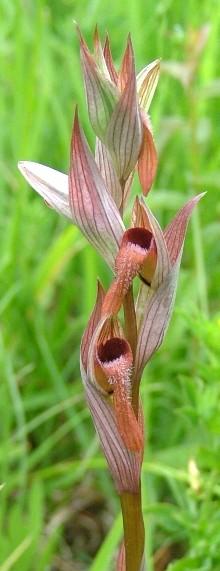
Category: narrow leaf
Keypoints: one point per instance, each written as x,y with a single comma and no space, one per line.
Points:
16,554
52,185
93,209
147,81
108,547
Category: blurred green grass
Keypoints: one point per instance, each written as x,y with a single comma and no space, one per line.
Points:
50,464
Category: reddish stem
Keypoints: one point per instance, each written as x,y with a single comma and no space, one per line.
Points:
134,534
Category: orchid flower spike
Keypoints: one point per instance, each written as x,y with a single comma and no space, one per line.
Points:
116,347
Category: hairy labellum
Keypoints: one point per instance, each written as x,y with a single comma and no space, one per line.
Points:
132,259
113,372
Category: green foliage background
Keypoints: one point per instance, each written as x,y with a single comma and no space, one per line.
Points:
57,502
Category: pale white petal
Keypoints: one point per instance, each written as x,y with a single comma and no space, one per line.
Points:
51,184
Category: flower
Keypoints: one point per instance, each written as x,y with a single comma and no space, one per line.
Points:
123,463
136,255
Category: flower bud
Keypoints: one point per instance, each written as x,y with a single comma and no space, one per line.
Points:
102,95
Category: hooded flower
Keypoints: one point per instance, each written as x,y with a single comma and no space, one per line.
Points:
137,255
109,396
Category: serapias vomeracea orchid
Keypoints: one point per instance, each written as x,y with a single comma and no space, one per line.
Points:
94,194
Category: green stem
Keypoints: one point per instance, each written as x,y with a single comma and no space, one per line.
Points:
134,534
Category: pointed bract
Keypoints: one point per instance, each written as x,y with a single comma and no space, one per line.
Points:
109,61
91,326
159,301
124,135
147,81
155,319
99,55
52,185
107,170
93,209
127,63
175,232
97,44
163,261
101,93
147,162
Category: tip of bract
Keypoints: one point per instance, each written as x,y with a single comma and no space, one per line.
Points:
79,33
76,125
76,117
83,45
96,37
128,63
